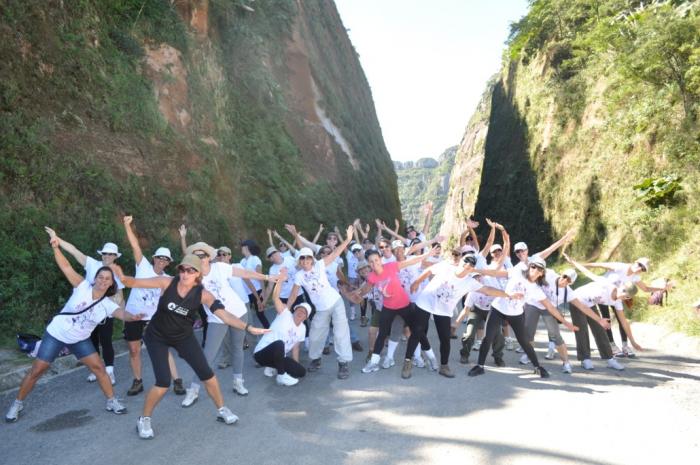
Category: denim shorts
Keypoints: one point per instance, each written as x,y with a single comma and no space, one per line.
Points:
50,348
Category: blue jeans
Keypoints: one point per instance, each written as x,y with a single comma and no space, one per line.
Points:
50,348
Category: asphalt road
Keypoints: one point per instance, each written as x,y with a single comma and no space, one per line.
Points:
648,414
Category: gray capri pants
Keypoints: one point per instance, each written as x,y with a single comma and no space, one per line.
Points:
532,318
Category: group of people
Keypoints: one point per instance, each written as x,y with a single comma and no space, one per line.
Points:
396,284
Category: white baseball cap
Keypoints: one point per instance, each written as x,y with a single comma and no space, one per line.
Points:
305,306
538,262
396,244
571,274
644,262
163,252
355,247
520,246
305,252
110,247
468,249
495,247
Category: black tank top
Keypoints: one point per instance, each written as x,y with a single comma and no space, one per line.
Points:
175,315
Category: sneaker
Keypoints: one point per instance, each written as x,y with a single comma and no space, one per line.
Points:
12,414
270,372
91,378
343,370
615,365
286,380
357,347
418,362
406,371
499,362
463,358
326,350
566,368
627,350
315,364
113,405
524,359
519,350
616,350
477,345
550,353
191,396
223,365
226,415
238,387
432,363
542,372
510,343
446,372
476,371
388,363
371,367
178,388
587,364
363,321
143,426
136,387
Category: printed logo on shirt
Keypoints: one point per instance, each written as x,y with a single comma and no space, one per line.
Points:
445,293
173,307
313,283
86,320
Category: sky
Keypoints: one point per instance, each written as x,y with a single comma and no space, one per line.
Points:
427,63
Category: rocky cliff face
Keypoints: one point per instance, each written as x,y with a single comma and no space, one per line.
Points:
194,111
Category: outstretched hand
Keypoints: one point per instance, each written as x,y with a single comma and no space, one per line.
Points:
571,326
472,224
183,230
291,228
50,232
349,232
54,242
257,331
117,270
128,220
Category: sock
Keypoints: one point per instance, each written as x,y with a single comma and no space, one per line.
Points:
110,369
238,376
416,353
375,358
551,345
391,349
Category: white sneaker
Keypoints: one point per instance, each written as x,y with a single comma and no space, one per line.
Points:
477,345
370,367
388,363
510,343
524,359
113,405
191,396
587,364
616,350
270,372
13,412
519,350
615,365
91,378
286,380
238,387
143,426
226,415
566,368
627,350
550,351
432,363
418,362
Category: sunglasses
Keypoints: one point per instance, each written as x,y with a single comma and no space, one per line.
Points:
114,255
497,252
520,251
202,255
187,270
165,259
640,265
535,267
222,254
382,247
306,257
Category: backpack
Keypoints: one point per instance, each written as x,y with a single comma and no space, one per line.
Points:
27,342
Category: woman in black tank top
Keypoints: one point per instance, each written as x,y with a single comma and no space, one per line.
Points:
171,326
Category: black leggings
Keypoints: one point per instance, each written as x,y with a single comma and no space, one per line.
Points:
605,312
188,348
273,356
102,336
205,323
260,313
386,317
517,324
443,324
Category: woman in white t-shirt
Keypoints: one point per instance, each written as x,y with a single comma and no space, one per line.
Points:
287,331
101,337
88,307
528,284
251,261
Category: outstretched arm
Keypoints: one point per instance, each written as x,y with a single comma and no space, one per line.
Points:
416,247
284,241
68,247
628,328
279,305
331,257
417,259
592,276
605,324
158,282
394,234
556,314
318,233
300,239
489,241
183,240
549,250
133,241
228,318
73,277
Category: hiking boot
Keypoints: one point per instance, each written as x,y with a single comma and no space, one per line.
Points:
446,372
113,405
178,388
226,415
12,414
406,371
315,364
476,371
357,347
343,370
499,362
542,372
143,426
136,387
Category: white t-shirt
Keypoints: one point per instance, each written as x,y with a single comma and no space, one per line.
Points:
238,285
352,265
91,267
445,290
598,292
216,282
291,267
76,328
142,300
252,263
518,283
315,282
477,299
555,294
407,276
388,260
283,329
618,275
332,274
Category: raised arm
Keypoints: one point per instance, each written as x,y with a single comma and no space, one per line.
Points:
471,224
183,238
489,241
506,241
73,277
358,228
133,241
279,305
284,241
592,276
158,282
269,237
552,248
68,247
318,233
300,239
391,233
331,257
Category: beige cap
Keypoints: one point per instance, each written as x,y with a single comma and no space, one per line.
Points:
203,246
191,260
